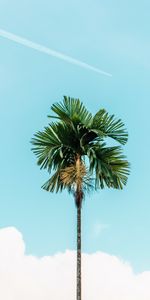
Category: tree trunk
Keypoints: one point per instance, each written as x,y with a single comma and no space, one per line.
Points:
78,295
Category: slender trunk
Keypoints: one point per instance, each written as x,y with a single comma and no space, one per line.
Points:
78,200
78,295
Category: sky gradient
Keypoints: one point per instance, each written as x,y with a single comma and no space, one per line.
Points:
112,37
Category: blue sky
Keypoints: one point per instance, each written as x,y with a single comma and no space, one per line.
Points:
115,38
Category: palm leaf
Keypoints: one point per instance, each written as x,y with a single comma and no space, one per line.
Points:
110,166
106,125
54,183
72,111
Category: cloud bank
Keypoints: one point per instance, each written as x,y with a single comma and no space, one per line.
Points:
27,277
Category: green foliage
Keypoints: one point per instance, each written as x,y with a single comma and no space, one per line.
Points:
108,126
72,111
74,135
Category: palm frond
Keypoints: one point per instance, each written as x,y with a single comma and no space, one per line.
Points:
72,111
109,165
54,183
54,146
106,125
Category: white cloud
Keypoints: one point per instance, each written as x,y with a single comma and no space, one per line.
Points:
53,277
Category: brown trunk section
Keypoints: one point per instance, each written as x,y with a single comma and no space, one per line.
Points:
78,295
78,201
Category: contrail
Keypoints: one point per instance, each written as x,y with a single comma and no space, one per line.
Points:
27,43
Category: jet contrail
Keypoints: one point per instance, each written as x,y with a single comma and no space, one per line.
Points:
27,43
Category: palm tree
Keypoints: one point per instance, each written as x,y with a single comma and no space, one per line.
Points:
73,150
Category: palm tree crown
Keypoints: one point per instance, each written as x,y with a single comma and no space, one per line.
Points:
73,149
